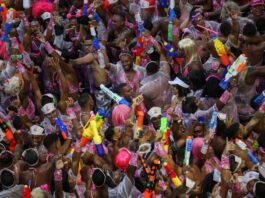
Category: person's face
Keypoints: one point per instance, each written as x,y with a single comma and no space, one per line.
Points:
199,21
88,47
257,10
126,62
35,27
117,22
198,131
73,24
117,134
156,122
127,92
36,140
52,116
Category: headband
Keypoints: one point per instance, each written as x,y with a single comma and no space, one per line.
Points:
194,17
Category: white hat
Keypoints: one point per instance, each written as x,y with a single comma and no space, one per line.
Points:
36,130
179,82
48,108
261,169
112,1
251,175
45,16
154,112
147,4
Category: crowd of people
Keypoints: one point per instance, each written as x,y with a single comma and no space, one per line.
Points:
132,98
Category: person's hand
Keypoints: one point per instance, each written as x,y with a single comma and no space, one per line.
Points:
138,100
232,83
229,147
59,164
55,63
41,37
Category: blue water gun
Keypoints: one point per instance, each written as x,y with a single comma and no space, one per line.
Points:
85,8
163,3
96,44
170,51
213,122
62,128
188,150
258,101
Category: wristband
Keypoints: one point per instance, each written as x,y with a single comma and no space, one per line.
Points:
58,175
225,97
48,47
71,112
225,164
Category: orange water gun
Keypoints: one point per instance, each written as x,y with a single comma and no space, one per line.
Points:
7,135
221,51
173,176
139,124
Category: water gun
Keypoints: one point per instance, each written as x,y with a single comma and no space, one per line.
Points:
85,8
213,122
221,51
7,135
150,184
26,192
114,96
188,150
8,20
165,131
163,3
173,176
140,23
250,155
139,49
170,51
139,125
3,11
258,101
62,128
88,131
237,67
97,138
172,15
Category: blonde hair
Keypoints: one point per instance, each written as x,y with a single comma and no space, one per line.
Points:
189,47
227,7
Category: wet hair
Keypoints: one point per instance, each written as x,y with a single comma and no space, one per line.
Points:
152,68
109,133
220,127
197,79
189,105
17,122
250,29
260,190
212,88
231,131
31,157
119,88
148,25
83,99
6,159
233,163
154,56
46,99
261,140
225,28
260,23
7,178
50,139
208,184
98,177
